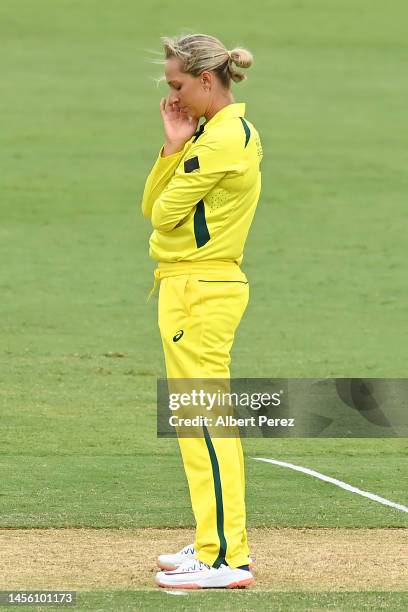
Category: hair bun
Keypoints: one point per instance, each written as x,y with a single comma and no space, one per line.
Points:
241,57
199,52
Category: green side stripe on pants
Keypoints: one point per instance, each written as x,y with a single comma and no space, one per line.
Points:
218,499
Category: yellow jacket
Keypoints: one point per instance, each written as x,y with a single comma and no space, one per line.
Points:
202,200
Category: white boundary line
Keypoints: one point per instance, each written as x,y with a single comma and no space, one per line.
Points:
339,483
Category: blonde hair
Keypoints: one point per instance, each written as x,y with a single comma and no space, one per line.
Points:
199,52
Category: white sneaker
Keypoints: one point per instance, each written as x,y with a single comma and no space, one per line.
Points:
172,562
193,574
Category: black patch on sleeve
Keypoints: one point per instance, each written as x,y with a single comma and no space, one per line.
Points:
191,164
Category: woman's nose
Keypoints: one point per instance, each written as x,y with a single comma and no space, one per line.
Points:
173,98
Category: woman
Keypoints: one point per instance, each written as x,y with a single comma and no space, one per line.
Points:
201,197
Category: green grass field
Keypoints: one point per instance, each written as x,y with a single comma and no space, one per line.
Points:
254,602
80,349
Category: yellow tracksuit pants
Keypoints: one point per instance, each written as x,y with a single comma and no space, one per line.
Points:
205,301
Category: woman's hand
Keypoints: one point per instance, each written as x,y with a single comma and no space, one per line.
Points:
178,127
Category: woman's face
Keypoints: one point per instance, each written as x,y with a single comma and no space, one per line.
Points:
190,94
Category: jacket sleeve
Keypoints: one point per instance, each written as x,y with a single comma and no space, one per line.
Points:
159,177
206,164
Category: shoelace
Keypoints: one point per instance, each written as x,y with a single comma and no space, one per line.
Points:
194,566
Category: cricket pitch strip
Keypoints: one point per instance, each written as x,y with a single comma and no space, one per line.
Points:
285,559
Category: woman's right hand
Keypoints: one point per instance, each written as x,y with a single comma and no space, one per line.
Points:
178,127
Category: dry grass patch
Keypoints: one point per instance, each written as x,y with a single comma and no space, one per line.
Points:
286,559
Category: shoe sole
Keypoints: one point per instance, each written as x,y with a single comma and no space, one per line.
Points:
241,584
